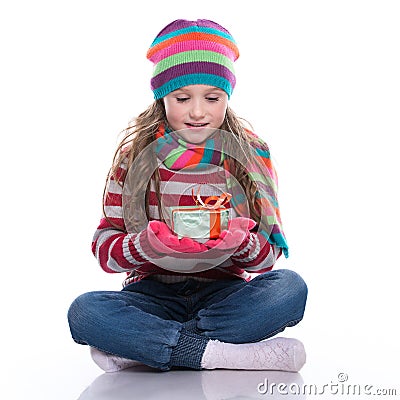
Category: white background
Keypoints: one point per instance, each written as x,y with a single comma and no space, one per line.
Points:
319,80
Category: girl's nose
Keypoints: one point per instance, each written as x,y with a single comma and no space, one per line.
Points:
197,110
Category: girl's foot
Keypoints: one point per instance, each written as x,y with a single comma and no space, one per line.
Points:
111,363
282,354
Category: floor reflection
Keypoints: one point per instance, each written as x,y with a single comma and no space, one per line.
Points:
145,383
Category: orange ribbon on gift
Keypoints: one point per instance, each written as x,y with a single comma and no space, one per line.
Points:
219,200
215,216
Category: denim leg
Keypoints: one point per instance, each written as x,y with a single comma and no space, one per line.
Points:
254,310
169,325
140,323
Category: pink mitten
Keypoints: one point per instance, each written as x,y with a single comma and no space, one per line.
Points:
163,240
238,232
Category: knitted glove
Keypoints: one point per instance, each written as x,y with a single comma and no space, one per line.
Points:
236,237
163,240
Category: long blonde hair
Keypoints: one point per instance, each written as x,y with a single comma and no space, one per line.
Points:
141,132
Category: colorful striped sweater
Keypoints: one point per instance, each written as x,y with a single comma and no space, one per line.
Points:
118,251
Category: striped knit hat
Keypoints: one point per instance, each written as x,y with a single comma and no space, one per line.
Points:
192,53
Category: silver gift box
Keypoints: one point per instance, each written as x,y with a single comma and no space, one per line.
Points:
198,223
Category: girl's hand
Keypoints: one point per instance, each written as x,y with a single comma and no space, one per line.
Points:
238,233
163,240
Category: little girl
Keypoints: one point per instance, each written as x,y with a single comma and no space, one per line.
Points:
200,304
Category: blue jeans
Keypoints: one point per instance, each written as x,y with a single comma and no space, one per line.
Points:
169,325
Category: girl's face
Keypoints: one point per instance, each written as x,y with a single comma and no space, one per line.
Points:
194,108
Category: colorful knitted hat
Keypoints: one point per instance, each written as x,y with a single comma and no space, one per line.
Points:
192,53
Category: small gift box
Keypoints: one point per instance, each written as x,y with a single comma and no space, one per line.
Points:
204,220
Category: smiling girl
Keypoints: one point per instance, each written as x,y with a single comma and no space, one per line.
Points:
186,303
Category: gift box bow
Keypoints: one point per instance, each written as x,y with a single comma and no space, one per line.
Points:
205,220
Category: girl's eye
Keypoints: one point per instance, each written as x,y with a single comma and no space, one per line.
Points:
212,98
182,99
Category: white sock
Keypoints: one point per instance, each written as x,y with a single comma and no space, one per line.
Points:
282,354
111,363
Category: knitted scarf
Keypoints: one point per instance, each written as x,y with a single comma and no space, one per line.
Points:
175,153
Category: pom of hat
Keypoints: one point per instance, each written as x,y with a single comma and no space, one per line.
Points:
192,52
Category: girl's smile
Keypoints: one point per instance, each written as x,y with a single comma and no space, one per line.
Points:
194,125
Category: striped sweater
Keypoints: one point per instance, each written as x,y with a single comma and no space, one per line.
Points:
119,251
